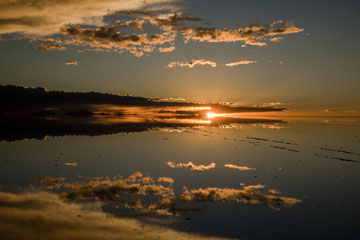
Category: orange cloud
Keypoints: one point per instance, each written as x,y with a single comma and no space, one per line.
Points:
167,49
166,179
276,39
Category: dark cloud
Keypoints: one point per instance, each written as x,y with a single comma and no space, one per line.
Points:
110,38
191,63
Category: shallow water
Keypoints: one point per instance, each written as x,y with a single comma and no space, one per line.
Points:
233,180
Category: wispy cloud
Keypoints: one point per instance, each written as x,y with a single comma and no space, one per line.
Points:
240,168
242,62
191,64
273,104
252,35
191,166
74,63
167,49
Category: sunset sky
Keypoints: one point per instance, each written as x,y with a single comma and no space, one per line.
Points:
301,53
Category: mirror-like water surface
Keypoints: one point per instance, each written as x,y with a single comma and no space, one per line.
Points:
223,179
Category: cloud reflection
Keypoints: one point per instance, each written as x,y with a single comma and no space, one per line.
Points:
42,215
143,195
72,164
242,62
240,168
191,166
248,195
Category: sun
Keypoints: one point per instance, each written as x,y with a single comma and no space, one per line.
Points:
211,114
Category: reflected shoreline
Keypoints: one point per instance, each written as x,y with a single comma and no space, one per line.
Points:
16,128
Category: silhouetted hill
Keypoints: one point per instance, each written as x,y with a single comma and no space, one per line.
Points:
12,96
